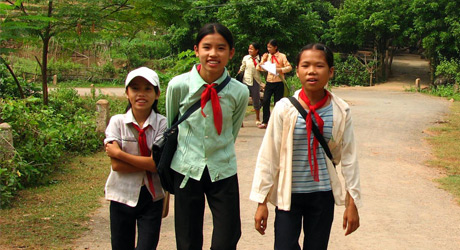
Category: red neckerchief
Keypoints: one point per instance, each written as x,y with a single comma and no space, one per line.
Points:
274,58
145,151
210,93
309,121
254,61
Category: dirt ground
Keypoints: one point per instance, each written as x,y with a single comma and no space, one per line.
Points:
403,207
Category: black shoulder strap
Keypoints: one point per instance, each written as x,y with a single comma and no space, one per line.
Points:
314,128
197,104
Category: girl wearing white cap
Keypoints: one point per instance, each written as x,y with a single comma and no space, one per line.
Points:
133,187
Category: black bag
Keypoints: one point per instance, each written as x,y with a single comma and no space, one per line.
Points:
164,149
240,76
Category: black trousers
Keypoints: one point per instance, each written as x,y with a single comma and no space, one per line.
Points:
123,220
189,203
271,88
317,212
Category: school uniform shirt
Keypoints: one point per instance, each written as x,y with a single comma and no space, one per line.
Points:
125,187
273,173
199,145
282,62
250,71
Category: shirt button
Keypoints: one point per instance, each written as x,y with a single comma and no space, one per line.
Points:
206,159
206,137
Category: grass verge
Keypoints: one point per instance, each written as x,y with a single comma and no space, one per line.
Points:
52,216
446,148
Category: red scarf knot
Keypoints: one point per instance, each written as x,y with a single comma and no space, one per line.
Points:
320,123
210,93
274,59
254,61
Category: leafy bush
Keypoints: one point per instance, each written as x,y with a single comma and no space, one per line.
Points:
349,72
450,70
139,51
43,134
9,89
444,91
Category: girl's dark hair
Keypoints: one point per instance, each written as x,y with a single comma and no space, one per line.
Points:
274,43
154,105
212,28
319,46
257,47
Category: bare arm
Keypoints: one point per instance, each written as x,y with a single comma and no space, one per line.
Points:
128,163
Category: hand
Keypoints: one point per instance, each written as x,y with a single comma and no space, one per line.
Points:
261,218
350,219
112,148
264,58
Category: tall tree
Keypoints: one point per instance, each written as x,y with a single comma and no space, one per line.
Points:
45,19
437,25
370,23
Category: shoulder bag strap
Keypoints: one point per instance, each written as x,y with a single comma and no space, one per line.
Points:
315,129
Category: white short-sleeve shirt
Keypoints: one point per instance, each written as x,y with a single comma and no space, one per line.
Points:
125,187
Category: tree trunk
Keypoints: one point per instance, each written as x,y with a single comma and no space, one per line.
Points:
44,67
21,92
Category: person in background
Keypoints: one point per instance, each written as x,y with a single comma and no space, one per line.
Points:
251,77
133,187
205,160
274,86
292,170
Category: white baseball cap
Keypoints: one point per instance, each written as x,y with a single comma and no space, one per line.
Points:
143,72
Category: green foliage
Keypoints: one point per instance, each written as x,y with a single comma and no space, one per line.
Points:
349,71
9,89
41,135
437,24
138,51
447,91
450,70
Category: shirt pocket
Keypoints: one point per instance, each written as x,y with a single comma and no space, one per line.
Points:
130,145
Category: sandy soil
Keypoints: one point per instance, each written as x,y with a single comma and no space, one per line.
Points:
403,207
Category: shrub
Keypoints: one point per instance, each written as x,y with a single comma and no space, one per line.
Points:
9,89
43,134
449,70
349,72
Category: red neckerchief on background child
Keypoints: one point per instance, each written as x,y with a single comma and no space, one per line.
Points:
254,61
320,123
145,151
274,59
210,93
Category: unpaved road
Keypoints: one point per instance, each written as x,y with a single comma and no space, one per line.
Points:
403,206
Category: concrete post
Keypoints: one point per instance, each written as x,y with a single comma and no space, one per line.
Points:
102,107
6,142
55,80
417,84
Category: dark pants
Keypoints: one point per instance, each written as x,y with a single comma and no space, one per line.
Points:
254,92
317,211
189,204
123,220
271,88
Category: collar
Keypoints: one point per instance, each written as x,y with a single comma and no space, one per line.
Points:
129,118
277,54
196,82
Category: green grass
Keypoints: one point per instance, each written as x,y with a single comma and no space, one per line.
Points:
446,148
52,216
86,84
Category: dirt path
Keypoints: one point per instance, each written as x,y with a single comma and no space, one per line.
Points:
403,207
